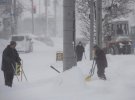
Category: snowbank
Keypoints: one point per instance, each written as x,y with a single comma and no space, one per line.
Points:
46,84
70,80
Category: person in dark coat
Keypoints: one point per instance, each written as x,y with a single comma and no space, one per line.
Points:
79,51
101,61
9,59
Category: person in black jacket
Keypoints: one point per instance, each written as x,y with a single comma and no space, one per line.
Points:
79,51
101,62
9,59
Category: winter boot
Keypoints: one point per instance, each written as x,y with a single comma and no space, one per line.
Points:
103,77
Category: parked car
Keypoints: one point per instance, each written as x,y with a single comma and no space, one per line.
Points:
118,40
24,43
121,45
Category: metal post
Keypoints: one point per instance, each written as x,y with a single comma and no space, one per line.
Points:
46,14
11,16
69,59
55,15
99,22
39,7
15,17
32,14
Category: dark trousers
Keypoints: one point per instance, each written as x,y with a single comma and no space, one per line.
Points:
101,71
8,78
79,57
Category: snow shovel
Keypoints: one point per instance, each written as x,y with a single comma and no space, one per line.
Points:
91,73
55,69
21,66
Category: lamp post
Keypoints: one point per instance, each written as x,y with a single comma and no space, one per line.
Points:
13,18
46,18
32,15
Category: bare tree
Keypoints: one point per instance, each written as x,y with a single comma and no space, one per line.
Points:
111,9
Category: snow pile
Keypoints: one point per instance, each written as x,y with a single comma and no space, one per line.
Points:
70,80
45,83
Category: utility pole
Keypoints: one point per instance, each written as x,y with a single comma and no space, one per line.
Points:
91,3
12,18
46,17
32,15
69,59
99,22
39,7
15,17
55,15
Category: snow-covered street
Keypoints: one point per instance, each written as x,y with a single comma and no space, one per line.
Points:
46,84
56,39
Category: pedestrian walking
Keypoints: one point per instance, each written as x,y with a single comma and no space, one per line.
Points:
10,57
101,61
79,51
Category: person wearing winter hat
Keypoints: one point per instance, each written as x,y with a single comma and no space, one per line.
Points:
79,51
10,57
101,61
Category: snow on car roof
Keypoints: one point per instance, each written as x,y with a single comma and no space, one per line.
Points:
123,38
119,19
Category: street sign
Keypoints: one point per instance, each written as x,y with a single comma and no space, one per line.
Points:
59,56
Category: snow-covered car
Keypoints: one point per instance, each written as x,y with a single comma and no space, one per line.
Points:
24,43
121,45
